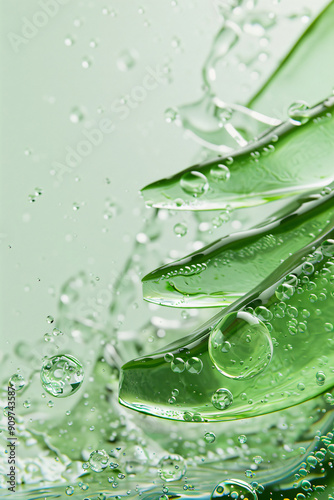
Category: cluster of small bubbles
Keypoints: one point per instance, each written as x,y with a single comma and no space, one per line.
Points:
188,416
17,381
194,365
98,460
222,399
69,490
320,378
76,114
220,172
242,439
62,375
172,468
233,489
210,437
127,59
299,113
180,229
194,183
177,365
240,345
171,115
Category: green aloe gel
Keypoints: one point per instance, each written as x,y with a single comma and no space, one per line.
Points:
262,354
226,269
260,172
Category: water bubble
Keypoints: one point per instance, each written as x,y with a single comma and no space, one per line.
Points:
27,403
233,489
299,113
50,319
76,115
258,459
220,172
127,59
180,229
263,313
194,365
178,365
69,41
171,468
240,346
327,248
171,115
242,438
168,357
222,399
194,183
62,375
98,460
284,291
210,437
86,62
69,490
17,381
175,392
320,378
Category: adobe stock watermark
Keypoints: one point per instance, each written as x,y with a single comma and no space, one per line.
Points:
94,137
31,27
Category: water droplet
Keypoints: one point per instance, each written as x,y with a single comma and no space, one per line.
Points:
69,41
27,403
171,468
127,59
86,62
299,113
69,490
233,489
17,381
327,248
98,460
284,291
178,365
50,319
168,357
62,375
76,115
240,346
171,115
210,437
320,378
180,229
258,460
194,183
222,399
194,365
242,438
220,172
